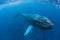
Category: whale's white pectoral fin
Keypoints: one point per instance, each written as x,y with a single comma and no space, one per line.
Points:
28,30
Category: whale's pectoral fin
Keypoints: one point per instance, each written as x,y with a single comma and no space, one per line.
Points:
28,30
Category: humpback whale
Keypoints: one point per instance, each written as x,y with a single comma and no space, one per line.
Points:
38,21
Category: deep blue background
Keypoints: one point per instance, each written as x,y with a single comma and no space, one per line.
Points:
2,1
12,27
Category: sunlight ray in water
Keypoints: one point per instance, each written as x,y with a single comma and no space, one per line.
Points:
10,4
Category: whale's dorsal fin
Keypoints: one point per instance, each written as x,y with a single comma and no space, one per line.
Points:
28,30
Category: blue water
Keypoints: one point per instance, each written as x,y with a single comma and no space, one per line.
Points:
13,27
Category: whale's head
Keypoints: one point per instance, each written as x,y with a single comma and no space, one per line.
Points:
42,21
39,21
